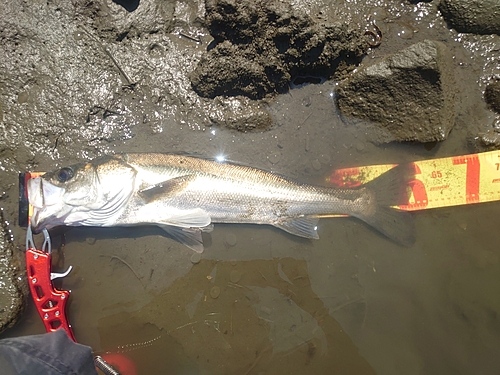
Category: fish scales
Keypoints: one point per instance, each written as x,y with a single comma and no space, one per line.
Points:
234,193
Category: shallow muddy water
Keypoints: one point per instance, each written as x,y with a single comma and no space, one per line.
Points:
261,301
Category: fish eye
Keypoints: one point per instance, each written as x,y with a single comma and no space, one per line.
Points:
64,174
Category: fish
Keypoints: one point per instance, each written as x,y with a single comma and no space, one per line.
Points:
185,195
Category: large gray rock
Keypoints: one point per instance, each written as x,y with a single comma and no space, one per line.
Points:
472,16
409,95
13,288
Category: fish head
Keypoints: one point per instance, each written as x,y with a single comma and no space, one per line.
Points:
92,193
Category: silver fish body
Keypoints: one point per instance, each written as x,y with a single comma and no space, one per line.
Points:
185,195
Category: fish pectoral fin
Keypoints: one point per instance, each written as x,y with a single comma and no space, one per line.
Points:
166,188
190,237
194,218
302,227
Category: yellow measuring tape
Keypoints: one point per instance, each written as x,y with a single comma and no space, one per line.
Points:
444,182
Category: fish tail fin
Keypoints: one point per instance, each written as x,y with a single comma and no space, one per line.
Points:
389,189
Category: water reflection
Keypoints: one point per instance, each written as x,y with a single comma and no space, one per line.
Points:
267,320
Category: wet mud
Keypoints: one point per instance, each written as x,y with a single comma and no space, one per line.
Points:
13,287
260,47
85,79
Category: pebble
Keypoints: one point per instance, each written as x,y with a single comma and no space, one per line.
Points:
266,310
90,240
78,35
233,262
316,164
274,158
23,97
324,158
215,292
360,146
155,50
379,14
230,239
235,276
195,258
405,31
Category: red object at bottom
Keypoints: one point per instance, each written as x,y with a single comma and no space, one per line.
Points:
50,302
121,363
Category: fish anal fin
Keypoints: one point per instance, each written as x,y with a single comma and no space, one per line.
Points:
166,188
190,237
303,226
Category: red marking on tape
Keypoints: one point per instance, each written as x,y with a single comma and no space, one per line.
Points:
419,193
344,178
472,176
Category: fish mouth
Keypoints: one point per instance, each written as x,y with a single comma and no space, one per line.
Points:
47,202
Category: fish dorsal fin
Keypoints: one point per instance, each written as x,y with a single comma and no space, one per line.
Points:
190,237
166,188
303,227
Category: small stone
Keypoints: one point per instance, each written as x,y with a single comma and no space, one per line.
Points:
215,292
274,158
405,31
235,276
90,240
78,35
379,14
230,239
316,164
489,140
324,158
195,258
266,310
23,97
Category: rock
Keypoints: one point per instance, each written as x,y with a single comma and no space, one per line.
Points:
472,16
240,113
488,141
260,46
492,96
13,287
408,95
